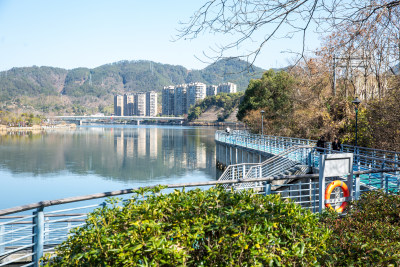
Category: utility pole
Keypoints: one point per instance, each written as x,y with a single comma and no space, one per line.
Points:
336,65
334,75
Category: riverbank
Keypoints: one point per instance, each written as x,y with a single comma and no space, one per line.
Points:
34,128
202,123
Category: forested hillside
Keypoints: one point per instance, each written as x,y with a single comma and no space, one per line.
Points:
84,90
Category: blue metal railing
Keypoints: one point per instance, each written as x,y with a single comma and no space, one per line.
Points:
364,158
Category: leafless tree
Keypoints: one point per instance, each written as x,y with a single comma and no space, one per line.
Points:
367,47
246,20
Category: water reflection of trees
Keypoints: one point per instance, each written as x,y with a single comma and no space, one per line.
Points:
142,154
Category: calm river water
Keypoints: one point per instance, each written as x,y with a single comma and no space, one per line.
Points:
93,159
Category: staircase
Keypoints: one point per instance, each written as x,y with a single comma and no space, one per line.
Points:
291,161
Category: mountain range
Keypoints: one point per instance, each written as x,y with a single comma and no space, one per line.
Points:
83,90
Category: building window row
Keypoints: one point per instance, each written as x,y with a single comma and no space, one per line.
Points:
177,100
136,104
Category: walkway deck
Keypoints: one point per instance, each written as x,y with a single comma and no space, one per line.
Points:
365,159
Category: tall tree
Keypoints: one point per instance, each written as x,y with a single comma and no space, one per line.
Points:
272,92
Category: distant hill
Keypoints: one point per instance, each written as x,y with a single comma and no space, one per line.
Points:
82,88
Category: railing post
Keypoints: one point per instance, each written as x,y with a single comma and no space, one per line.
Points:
357,187
38,236
267,188
396,158
2,240
309,159
387,184
382,175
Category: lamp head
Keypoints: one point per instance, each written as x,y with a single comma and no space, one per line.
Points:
356,102
262,112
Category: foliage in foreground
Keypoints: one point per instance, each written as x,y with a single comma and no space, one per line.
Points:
201,228
369,234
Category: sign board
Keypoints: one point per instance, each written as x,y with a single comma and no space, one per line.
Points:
333,165
338,164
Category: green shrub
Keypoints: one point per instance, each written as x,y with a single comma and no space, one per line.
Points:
369,234
197,228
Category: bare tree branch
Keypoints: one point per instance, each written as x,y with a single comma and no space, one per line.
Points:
244,20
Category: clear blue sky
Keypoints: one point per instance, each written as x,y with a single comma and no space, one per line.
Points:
90,33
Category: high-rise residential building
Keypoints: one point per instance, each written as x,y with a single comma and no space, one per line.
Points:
227,88
211,90
195,92
119,105
129,105
151,103
168,95
140,104
180,100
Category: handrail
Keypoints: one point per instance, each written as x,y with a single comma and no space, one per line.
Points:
276,157
179,185
289,140
243,133
253,165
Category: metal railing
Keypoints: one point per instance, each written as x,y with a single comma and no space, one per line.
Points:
364,158
275,165
27,232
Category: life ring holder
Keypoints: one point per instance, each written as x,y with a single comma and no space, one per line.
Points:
329,190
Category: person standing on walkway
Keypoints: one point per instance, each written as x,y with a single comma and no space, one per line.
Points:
336,145
321,144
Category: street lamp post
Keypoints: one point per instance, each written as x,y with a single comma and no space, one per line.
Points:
356,102
262,122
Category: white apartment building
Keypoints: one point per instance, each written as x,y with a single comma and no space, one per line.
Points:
180,100
211,90
195,92
129,104
227,88
140,104
119,105
168,99
151,103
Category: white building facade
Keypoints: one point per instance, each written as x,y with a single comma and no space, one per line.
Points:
195,93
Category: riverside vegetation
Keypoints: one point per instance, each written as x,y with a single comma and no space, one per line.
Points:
216,227
24,119
300,103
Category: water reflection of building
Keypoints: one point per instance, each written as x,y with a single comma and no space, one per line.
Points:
141,142
201,156
167,150
130,146
153,144
119,144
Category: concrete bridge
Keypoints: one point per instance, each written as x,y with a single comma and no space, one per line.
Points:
137,119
